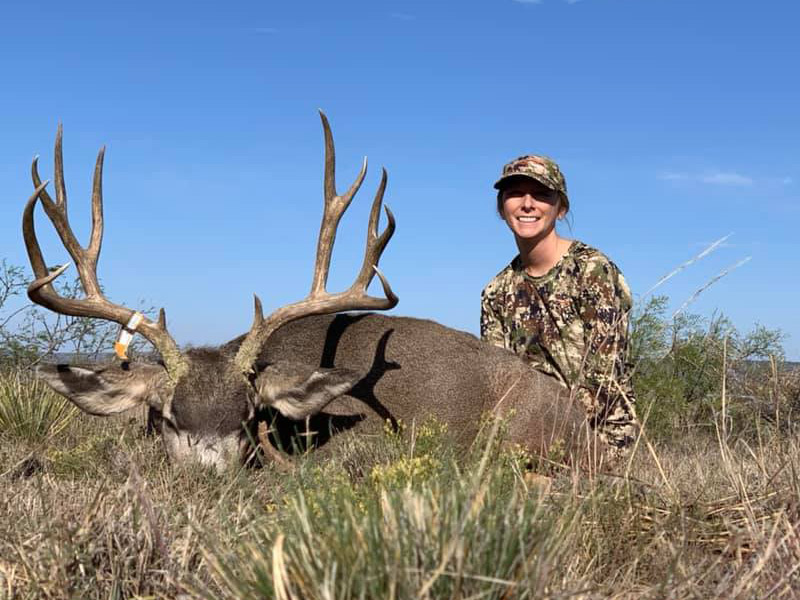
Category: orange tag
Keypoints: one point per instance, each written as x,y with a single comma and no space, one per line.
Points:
126,335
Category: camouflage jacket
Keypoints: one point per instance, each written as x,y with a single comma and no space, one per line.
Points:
572,323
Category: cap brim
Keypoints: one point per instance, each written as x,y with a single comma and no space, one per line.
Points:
498,185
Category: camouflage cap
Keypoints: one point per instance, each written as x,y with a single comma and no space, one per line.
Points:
541,168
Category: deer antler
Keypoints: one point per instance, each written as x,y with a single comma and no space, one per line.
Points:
319,301
95,304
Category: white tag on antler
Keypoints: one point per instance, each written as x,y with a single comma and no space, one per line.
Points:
126,335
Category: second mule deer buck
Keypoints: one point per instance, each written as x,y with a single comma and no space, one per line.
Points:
301,360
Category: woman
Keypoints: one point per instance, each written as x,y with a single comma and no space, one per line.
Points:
560,304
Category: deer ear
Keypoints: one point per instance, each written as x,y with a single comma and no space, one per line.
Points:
298,391
108,389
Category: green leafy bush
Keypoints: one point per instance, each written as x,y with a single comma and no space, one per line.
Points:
687,368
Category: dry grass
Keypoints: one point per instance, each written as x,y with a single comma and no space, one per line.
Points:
94,511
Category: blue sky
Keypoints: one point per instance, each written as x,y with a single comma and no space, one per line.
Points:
675,122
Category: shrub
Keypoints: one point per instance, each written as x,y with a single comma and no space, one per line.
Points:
686,368
29,333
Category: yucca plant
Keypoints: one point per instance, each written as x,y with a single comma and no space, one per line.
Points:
29,410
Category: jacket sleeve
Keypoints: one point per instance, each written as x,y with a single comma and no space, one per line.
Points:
491,323
605,387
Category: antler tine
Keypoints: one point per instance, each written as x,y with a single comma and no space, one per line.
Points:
376,245
258,311
96,238
58,217
86,262
335,206
329,182
61,188
95,304
29,234
318,301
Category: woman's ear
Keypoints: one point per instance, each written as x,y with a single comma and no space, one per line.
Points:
563,208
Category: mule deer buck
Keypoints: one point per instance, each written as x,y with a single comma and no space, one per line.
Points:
303,359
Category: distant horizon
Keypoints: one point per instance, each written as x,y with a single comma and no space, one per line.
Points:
110,356
675,123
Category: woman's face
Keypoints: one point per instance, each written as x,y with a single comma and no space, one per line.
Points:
530,209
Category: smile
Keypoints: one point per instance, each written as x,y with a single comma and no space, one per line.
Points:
528,219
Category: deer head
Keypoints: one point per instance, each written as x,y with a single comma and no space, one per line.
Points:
207,398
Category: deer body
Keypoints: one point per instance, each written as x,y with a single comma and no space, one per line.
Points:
415,370
303,360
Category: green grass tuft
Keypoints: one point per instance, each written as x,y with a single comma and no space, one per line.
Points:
29,410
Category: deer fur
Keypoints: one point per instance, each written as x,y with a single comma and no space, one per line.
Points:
415,370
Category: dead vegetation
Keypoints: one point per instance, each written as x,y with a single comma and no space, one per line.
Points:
708,505
94,511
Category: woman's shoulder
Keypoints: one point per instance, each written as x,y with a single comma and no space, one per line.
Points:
588,258
596,270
